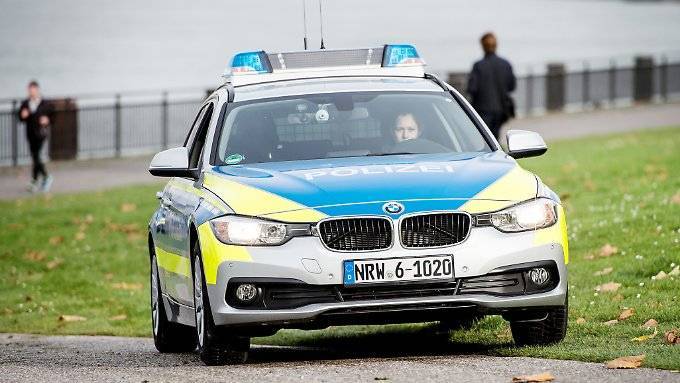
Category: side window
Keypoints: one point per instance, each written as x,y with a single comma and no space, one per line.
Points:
199,137
188,142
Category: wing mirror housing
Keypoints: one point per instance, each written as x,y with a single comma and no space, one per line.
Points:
172,163
523,143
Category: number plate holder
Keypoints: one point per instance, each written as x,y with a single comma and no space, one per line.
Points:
403,269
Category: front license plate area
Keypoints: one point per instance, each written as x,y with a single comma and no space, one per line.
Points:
398,269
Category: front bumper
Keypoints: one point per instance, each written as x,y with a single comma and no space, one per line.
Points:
305,260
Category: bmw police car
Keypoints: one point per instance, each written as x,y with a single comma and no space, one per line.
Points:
339,187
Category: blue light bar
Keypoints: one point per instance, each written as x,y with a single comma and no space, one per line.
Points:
250,63
401,55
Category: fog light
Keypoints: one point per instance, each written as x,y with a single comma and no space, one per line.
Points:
246,292
539,276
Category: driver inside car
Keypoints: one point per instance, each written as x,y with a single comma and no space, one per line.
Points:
406,128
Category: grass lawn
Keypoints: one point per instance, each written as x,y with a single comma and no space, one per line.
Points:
84,257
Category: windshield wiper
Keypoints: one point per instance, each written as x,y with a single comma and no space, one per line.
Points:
388,154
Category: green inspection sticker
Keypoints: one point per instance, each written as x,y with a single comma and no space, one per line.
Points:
234,159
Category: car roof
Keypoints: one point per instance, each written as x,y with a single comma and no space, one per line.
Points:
334,85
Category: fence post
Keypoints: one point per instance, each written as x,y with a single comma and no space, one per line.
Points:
530,92
117,124
555,87
612,82
164,121
15,134
642,79
586,84
663,80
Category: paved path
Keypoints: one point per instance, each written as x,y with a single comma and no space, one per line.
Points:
98,359
73,176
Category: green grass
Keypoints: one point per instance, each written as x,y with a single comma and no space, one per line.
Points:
617,190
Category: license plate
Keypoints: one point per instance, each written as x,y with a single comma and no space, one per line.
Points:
398,269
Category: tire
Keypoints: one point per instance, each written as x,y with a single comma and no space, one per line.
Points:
460,323
215,346
169,337
550,330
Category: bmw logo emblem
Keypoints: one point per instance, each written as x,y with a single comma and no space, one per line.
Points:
393,207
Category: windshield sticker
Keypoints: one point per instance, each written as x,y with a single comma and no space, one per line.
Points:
234,159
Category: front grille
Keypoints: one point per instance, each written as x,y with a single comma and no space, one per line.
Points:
356,234
432,230
398,291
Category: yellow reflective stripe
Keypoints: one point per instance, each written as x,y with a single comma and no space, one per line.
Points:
517,185
302,215
215,253
555,234
173,263
248,200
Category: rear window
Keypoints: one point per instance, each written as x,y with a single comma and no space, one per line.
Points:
334,125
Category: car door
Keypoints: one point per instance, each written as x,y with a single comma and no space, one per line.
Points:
172,239
184,199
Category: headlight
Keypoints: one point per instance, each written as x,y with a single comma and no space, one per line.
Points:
530,215
246,231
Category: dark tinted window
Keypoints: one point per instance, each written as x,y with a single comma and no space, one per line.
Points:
345,125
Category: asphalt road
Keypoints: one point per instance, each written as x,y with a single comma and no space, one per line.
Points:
105,359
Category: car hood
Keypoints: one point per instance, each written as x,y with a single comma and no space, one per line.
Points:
315,189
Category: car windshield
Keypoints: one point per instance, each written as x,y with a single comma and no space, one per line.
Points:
319,126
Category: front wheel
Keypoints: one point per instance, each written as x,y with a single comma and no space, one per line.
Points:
167,336
547,331
215,346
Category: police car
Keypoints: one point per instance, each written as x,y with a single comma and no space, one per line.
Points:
338,187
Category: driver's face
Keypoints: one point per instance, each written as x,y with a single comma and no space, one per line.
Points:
406,128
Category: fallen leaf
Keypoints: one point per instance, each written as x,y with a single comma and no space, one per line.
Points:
676,198
645,337
611,322
608,287
589,257
71,318
627,313
626,362
35,256
118,317
126,286
649,324
80,236
8,311
672,336
675,271
617,298
580,320
56,240
589,185
662,275
604,271
608,250
54,263
542,377
128,207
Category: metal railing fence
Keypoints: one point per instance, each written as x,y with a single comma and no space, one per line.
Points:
134,125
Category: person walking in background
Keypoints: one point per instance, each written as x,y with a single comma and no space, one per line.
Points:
489,85
36,113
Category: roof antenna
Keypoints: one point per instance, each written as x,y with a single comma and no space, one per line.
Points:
304,20
321,25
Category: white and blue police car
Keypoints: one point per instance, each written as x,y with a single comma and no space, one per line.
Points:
337,187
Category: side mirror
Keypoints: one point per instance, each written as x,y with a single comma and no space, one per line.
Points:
523,143
172,163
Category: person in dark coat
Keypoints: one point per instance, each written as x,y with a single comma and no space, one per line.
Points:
489,85
37,114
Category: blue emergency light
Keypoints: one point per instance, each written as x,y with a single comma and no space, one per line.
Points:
250,63
401,55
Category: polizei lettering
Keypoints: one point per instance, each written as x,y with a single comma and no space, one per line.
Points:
378,169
